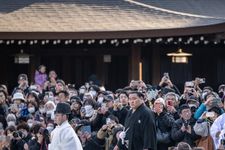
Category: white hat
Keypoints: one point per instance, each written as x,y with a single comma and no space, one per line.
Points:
18,95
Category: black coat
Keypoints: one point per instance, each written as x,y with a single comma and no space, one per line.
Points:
141,131
164,122
34,145
94,144
179,136
121,114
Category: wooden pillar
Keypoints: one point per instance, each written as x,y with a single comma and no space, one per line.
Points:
134,60
156,66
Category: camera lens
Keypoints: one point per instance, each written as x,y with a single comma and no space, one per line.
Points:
15,135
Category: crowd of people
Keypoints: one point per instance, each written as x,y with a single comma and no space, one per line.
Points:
50,114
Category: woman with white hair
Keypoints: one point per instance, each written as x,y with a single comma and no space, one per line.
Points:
164,122
11,120
50,110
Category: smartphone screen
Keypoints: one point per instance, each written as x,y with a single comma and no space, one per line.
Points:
86,129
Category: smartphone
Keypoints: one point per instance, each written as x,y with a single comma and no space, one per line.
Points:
166,74
209,114
202,80
189,84
86,129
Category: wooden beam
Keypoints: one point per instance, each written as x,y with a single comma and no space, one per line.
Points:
210,29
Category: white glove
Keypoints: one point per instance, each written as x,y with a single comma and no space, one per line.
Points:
122,136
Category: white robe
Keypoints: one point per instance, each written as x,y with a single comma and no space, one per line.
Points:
218,125
63,137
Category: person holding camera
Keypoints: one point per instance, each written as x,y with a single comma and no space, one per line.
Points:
164,122
21,137
166,85
202,128
182,130
106,133
63,137
212,100
171,104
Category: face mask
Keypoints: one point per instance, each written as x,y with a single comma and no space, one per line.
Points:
52,116
42,110
11,123
30,124
100,100
49,112
31,110
50,129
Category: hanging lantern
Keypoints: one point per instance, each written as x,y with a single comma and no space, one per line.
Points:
179,56
22,58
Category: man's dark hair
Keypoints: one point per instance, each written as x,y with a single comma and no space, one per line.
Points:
23,126
182,107
139,94
35,128
65,92
22,76
123,92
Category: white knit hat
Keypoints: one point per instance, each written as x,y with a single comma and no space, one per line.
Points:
161,100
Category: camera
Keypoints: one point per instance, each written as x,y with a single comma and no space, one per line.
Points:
44,132
189,84
17,134
186,123
166,75
201,80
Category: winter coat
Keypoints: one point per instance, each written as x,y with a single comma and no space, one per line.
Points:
179,136
164,122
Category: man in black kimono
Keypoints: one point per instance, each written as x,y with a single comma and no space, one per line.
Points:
140,131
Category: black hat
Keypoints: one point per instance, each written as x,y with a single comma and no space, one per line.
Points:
63,108
76,99
182,107
216,110
108,98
